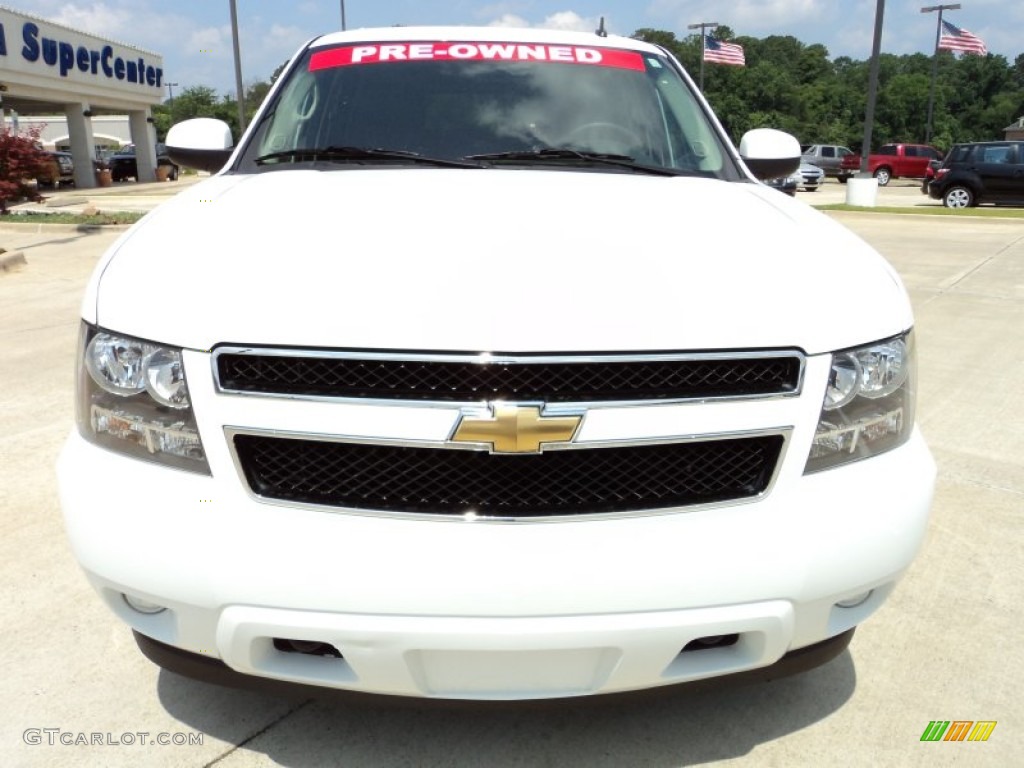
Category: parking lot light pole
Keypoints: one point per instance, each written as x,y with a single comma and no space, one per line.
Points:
342,15
869,114
935,63
238,68
702,26
170,91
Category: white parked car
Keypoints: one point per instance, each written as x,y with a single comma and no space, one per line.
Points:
810,177
489,371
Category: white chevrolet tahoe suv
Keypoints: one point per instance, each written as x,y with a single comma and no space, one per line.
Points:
484,368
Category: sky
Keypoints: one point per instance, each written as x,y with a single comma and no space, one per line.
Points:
194,36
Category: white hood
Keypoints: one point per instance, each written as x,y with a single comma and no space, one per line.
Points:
494,260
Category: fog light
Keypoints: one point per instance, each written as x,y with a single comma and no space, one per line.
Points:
853,602
142,606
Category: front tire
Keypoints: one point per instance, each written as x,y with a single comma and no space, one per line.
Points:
958,197
883,175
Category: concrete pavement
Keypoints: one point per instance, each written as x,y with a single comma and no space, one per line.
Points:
944,647
899,193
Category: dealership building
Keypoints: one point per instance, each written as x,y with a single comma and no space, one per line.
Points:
50,69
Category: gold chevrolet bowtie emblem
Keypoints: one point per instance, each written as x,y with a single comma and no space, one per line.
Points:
516,429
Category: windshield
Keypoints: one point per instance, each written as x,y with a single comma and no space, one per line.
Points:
491,103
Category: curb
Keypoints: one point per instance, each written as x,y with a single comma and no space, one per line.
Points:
867,211
40,228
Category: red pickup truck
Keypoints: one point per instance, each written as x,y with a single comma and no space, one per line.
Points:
892,161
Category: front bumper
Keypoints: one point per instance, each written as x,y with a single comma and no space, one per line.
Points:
935,190
211,670
452,609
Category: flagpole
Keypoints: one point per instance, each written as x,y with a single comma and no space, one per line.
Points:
935,64
702,26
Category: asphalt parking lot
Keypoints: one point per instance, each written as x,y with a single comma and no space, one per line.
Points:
944,647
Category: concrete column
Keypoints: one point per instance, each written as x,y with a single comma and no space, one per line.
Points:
144,139
83,150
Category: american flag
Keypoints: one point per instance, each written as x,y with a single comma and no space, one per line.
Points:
723,53
955,39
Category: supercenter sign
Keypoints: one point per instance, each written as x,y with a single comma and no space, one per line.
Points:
33,46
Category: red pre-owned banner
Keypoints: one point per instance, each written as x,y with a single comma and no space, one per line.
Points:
448,51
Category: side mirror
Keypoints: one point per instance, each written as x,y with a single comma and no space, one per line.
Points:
203,143
770,154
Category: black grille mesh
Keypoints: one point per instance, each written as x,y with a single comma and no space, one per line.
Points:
551,382
559,482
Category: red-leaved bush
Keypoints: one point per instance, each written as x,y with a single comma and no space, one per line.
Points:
21,160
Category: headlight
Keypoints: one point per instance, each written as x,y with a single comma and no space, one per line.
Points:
133,398
869,404
165,378
117,364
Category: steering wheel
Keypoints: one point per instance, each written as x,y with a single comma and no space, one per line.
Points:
618,133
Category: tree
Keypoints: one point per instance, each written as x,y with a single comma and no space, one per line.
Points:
786,84
196,101
794,86
254,96
162,120
21,160
203,101
660,37
277,72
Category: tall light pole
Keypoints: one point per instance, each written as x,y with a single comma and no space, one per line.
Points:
170,91
238,68
935,63
869,114
702,26
342,15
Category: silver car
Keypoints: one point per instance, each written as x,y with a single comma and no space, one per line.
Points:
809,177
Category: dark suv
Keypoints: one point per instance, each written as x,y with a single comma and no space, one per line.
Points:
980,172
58,171
122,163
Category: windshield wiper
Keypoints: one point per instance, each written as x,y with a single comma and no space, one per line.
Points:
358,155
573,155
